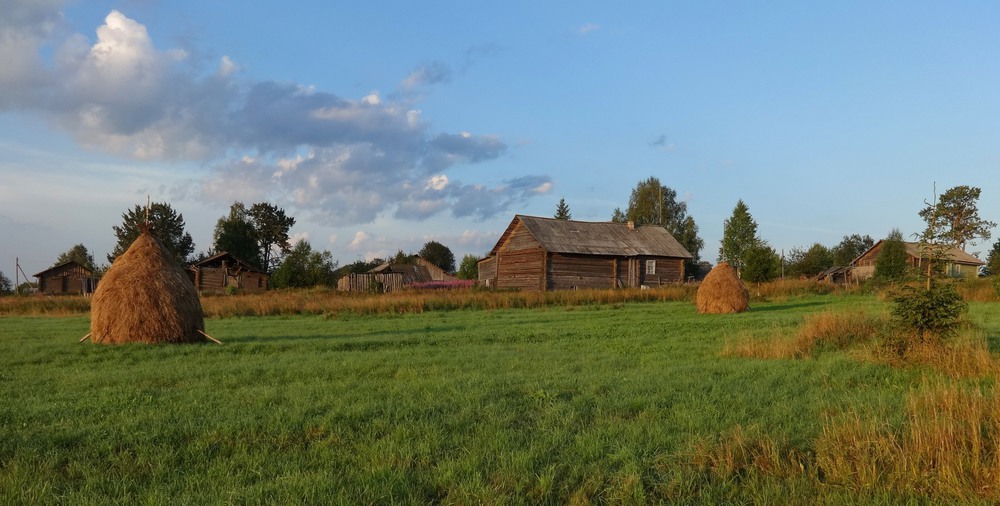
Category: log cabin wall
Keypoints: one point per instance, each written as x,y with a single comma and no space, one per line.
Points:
212,278
521,262
68,278
570,272
488,271
665,271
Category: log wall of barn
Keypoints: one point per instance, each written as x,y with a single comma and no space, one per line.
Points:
523,269
570,272
68,279
668,271
488,271
253,281
212,279
521,262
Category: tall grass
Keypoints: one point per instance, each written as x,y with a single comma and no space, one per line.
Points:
948,449
324,301
823,331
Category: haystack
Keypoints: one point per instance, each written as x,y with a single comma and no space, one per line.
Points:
146,297
722,292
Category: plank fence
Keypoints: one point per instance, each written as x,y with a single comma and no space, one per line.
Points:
371,282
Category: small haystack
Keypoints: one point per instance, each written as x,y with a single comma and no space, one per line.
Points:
723,292
145,297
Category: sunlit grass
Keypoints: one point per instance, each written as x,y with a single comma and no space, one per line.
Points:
608,403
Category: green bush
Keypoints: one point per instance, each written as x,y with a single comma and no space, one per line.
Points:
928,315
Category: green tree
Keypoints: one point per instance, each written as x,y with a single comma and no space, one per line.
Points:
993,260
890,265
302,268
271,226
811,262
439,255
851,247
237,235
6,287
762,263
562,211
954,218
652,203
167,225
401,258
469,267
79,254
739,234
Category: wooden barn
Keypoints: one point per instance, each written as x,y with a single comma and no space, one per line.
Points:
959,263
549,254
65,278
420,272
219,272
391,277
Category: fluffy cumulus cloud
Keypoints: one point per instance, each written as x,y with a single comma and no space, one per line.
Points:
342,160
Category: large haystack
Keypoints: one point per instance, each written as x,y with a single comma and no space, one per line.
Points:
146,297
723,292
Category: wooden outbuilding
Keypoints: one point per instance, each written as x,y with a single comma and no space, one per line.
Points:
67,277
219,272
549,254
391,277
421,271
959,264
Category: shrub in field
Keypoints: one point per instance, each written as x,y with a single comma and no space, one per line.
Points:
926,315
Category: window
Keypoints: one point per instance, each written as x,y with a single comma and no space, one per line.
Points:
651,267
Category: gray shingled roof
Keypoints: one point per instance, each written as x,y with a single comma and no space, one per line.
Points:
600,238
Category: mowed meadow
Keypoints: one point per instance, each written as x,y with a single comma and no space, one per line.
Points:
617,397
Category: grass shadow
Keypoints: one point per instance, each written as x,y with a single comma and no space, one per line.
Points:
785,307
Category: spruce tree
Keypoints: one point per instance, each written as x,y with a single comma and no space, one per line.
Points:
562,211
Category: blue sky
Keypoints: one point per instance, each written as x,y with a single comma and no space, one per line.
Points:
383,125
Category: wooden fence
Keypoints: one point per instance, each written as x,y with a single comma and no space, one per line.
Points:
371,282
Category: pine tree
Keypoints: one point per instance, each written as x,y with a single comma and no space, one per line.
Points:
168,226
562,211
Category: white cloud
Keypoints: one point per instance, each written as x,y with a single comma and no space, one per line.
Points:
340,161
431,73
360,238
227,66
588,28
298,237
437,183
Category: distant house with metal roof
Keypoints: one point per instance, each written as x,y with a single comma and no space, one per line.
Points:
959,264
550,254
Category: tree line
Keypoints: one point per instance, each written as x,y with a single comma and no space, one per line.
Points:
258,235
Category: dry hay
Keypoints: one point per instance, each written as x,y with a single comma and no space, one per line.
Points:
146,297
722,292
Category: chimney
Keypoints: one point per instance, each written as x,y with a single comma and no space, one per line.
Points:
631,225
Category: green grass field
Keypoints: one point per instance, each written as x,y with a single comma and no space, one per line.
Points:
594,404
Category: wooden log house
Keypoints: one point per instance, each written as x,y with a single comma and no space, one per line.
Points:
218,272
67,277
549,254
958,264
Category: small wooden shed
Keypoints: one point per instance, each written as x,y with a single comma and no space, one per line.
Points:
67,277
221,271
550,254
